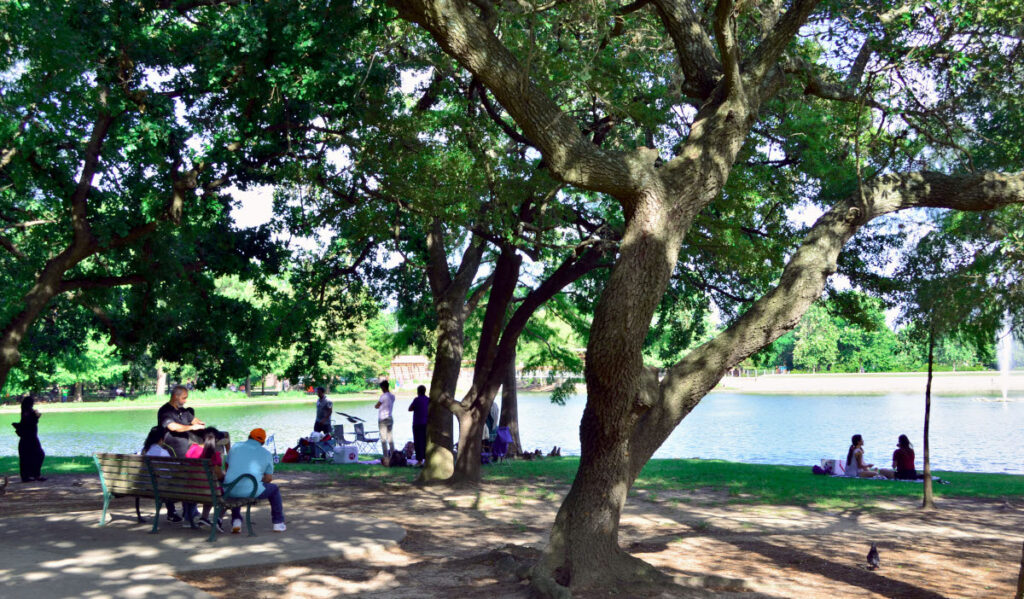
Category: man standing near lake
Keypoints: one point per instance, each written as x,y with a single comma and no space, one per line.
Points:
385,422
420,409
324,409
179,421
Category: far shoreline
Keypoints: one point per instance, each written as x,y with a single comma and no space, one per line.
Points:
986,385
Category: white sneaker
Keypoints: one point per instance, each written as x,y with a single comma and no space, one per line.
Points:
236,526
280,527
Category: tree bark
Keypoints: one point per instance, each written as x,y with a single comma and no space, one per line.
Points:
510,406
78,392
928,502
440,430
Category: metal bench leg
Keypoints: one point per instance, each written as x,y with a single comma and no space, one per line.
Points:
156,520
106,504
138,512
248,519
218,511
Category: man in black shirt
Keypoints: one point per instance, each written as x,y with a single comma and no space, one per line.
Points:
179,421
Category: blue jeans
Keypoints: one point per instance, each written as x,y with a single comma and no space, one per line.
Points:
272,494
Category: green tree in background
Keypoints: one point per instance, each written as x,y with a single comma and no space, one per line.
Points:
817,340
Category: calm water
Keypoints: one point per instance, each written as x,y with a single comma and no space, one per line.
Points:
967,434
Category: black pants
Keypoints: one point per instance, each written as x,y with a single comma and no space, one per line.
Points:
30,457
906,475
419,440
320,427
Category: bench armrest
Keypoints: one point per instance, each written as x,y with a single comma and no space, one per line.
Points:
227,486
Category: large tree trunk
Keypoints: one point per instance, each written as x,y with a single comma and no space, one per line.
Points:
467,462
510,406
78,392
447,364
583,551
928,502
453,303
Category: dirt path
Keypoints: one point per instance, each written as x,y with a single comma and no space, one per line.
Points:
468,544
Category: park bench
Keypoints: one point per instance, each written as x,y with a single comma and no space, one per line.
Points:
169,479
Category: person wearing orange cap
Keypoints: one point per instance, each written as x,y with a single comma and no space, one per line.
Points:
250,457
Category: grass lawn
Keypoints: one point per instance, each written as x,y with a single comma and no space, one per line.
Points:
218,397
745,483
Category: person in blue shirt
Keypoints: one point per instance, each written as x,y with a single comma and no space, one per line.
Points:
250,457
419,409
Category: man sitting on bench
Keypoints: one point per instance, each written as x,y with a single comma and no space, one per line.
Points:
252,458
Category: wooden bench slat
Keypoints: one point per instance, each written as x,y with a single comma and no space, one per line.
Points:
134,470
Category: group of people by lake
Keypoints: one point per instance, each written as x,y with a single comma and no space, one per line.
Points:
179,433
902,461
385,420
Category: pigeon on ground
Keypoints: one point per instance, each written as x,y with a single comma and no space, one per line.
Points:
873,557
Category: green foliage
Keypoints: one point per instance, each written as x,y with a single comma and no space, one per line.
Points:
817,344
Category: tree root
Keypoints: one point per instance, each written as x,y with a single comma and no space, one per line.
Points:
629,575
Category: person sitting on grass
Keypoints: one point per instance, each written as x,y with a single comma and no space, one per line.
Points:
855,464
903,459
250,457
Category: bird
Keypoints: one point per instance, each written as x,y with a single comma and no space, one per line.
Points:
873,557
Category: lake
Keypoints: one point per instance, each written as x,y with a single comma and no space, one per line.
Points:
967,434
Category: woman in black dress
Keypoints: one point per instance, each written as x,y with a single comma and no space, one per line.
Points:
30,451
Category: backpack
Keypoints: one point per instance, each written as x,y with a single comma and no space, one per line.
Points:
397,459
290,456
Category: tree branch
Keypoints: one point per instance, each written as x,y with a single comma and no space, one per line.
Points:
79,214
767,53
493,113
117,281
27,224
694,50
728,47
8,245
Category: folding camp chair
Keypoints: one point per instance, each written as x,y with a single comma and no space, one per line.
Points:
366,444
503,442
339,435
271,445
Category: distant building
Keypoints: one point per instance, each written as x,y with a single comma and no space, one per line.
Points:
408,368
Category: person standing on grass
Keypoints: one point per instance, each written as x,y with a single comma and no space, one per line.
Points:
385,422
419,408
30,450
324,410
